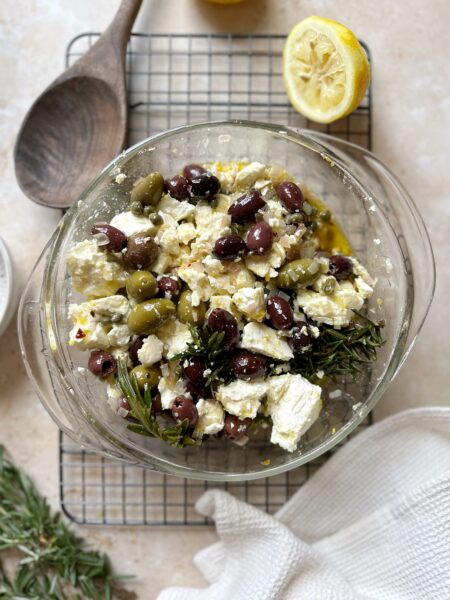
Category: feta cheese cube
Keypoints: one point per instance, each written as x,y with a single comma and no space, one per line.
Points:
294,404
211,418
114,395
242,398
197,280
234,277
91,272
179,211
265,266
151,351
131,224
248,175
186,232
251,302
175,337
257,337
163,263
93,327
170,386
211,224
335,309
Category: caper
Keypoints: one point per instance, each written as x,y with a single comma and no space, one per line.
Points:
141,285
295,218
313,226
327,285
149,315
325,215
300,272
188,314
146,375
136,208
156,219
149,190
148,210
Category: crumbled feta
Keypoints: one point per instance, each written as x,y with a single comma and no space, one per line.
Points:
170,386
151,351
211,418
92,326
179,211
175,336
119,335
249,174
92,273
294,404
162,263
196,278
257,337
224,302
210,225
186,232
335,309
114,395
265,266
250,301
242,398
131,224
234,277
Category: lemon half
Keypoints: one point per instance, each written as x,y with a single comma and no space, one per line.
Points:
325,69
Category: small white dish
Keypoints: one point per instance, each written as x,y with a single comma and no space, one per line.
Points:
6,287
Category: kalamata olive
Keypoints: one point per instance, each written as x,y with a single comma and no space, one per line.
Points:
115,240
260,238
141,285
134,349
141,251
228,247
340,267
156,405
301,337
290,195
246,207
101,363
177,187
247,365
197,391
193,368
149,189
183,408
188,313
221,320
192,171
205,185
146,317
293,274
146,376
280,312
169,287
234,428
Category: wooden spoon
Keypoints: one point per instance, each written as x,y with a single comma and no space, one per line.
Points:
78,124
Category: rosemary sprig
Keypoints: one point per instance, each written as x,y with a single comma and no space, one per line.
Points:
209,348
341,353
141,409
52,562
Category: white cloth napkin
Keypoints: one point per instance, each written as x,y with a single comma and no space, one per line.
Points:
373,523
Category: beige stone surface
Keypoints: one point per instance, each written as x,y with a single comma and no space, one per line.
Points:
411,85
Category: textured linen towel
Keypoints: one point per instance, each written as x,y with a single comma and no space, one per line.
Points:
373,523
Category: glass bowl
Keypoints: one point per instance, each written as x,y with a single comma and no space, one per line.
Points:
380,220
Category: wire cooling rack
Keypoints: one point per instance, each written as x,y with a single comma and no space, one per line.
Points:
175,79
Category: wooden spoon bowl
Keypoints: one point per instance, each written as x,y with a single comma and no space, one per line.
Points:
79,122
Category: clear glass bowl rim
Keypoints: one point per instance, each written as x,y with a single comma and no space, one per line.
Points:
312,141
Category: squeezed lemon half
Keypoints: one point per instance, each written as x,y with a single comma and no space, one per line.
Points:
325,69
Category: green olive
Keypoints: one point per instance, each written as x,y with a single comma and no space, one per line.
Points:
148,316
146,375
141,285
188,314
149,190
300,272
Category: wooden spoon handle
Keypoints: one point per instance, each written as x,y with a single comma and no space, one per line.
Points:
120,27
107,56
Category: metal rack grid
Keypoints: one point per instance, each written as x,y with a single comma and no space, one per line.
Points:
174,79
